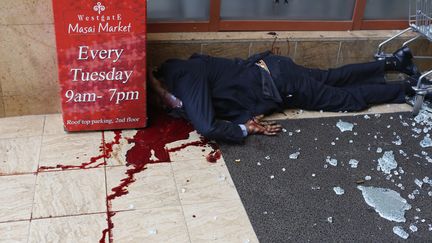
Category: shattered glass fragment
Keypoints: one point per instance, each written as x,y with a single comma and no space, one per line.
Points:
330,219
338,190
272,177
387,203
284,130
283,169
399,231
418,182
332,162
398,141
426,142
377,115
351,141
389,126
294,155
368,178
267,157
344,126
427,180
353,163
367,117
298,131
259,163
387,162
333,143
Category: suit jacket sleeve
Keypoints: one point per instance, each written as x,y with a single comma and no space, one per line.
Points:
195,94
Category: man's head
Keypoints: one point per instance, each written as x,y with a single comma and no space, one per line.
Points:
159,95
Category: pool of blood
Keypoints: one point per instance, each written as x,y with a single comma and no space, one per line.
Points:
149,148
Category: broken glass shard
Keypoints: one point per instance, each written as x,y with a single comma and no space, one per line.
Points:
294,155
332,162
387,162
368,178
338,190
426,142
344,126
413,228
353,163
399,231
398,141
418,182
330,219
387,203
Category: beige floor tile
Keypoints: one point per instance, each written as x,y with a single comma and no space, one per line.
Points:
153,188
118,155
189,152
152,225
70,193
71,149
19,155
277,116
385,108
83,228
224,221
200,182
14,231
16,197
22,126
54,125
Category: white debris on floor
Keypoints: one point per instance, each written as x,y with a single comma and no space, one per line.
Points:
294,155
399,231
332,162
345,126
387,203
339,191
353,163
387,162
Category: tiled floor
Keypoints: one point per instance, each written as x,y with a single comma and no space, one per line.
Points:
187,200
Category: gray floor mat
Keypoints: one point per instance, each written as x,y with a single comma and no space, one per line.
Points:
292,200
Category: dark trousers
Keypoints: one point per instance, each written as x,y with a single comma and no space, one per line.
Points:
351,87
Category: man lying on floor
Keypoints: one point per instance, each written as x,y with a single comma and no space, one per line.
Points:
226,99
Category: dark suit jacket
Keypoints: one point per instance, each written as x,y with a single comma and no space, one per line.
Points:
218,93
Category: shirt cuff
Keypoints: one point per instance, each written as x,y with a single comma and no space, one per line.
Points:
244,130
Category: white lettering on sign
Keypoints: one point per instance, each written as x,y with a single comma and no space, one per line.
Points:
85,53
112,75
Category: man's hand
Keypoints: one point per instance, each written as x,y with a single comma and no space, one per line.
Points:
258,126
